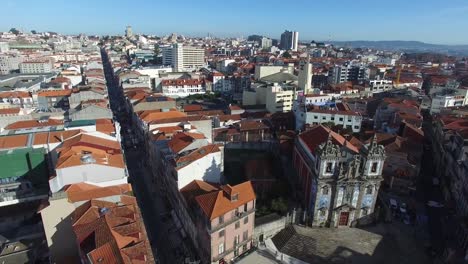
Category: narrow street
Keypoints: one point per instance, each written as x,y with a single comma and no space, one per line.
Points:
167,244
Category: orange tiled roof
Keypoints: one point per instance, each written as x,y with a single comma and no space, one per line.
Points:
55,93
16,141
105,126
9,111
84,192
196,155
15,94
183,139
151,116
111,233
319,134
216,201
54,137
33,123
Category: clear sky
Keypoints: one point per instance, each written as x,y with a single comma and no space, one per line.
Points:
433,21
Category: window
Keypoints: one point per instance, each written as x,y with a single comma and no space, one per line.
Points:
245,235
246,220
237,225
341,119
221,248
325,190
369,189
323,212
374,167
245,207
356,127
364,212
315,117
328,168
236,240
221,233
221,219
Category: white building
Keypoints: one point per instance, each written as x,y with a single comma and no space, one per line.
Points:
306,115
89,159
36,66
377,86
458,97
9,62
273,96
182,87
266,43
317,99
182,57
4,47
305,75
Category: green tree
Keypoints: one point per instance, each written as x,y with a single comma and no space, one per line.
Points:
279,205
287,55
14,31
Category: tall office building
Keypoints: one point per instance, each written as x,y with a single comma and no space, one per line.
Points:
305,75
183,57
265,43
289,40
129,32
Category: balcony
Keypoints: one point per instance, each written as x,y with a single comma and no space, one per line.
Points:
230,250
236,218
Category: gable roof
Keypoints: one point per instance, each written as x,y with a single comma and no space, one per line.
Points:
111,233
319,134
215,201
183,139
84,191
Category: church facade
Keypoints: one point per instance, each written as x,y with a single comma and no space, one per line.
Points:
339,180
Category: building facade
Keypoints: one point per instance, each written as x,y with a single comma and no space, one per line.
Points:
289,40
182,57
339,181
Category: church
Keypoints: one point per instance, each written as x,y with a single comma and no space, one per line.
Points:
339,180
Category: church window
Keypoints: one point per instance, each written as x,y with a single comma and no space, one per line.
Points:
328,167
374,167
369,189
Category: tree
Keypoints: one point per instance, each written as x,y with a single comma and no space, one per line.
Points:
14,31
287,55
279,205
34,32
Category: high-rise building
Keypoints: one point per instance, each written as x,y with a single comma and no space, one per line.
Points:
305,75
265,43
289,40
183,57
347,72
129,32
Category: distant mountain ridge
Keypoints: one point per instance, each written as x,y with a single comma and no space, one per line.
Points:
405,46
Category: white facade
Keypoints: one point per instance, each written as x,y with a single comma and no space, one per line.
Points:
266,43
36,67
347,119
208,168
182,90
183,57
100,175
454,100
279,100
305,75
9,62
317,99
378,86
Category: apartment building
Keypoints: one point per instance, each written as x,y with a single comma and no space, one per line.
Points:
182,87
182,57
36,66
224,216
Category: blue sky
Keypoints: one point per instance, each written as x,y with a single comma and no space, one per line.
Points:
433,21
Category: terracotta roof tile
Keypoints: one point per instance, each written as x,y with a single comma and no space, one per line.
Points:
196,155
55,93
33,123
9,111
16,141
216,201
183,139
83,191
319,134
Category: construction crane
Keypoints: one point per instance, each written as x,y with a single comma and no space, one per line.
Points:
398,77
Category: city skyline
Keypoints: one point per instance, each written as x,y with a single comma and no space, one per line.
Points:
427,21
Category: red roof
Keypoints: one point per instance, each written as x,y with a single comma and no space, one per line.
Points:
216,200
319,134
183,139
